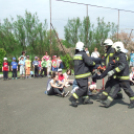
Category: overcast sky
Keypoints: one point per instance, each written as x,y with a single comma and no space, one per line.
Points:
61,11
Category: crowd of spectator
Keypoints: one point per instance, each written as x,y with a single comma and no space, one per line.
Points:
43,68
27,68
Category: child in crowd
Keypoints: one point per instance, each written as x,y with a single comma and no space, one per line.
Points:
62,79
61,76
5,69
22,67
36,66
44,67
28,66
14,68
55,86
131,76
39,61
60,63
66,76
54,63
49,66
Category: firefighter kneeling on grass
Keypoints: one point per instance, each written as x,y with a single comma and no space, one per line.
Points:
82,65
120,75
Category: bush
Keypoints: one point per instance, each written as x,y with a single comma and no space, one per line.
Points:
67,60
2,54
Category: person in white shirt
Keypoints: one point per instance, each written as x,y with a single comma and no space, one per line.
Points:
87,52
95,54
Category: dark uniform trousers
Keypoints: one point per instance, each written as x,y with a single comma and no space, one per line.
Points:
83,87
82,91
123,84
115,89
109,84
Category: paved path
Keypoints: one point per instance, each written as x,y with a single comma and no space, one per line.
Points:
25,109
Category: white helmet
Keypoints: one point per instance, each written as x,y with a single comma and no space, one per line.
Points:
119,47
108,42
79,46
5,58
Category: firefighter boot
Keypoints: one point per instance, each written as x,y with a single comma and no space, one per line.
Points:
107,102
131,103
86,100
73,101
103,96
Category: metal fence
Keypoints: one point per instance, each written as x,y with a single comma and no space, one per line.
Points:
61,11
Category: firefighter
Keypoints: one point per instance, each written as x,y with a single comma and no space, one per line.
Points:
109,57
120,75
82,65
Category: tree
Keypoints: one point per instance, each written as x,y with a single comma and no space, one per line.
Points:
2,55
72,31
7,38
92,36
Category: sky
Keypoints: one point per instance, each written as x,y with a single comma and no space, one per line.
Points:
62,11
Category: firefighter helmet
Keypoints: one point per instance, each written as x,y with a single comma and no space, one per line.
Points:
108,42
79,46
119,47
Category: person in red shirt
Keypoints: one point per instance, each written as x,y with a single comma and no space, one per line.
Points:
5,69
61,76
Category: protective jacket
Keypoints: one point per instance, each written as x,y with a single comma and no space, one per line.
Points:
109,56
121,69
81,65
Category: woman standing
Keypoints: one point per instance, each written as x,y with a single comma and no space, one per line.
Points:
46,56
23,55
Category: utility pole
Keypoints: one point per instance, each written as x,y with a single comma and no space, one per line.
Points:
87,26
118,24
50,26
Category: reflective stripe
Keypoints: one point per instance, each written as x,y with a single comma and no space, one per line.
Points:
85,97
111,54
110,98
107,60
93,63
105,54
82,75
120,92
117,58
131,98
105,93
117,69
77,58
114,76
103,64
75,96
121,77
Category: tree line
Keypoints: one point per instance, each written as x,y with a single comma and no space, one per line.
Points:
29,34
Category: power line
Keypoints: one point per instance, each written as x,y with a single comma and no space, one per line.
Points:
98,6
